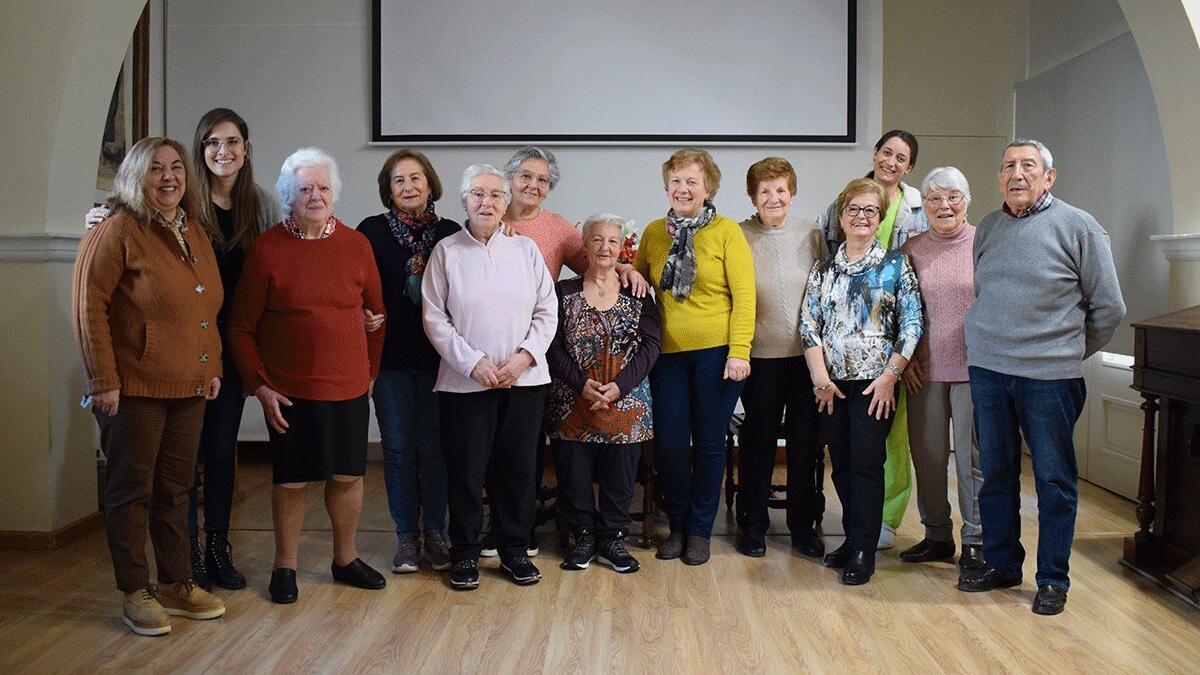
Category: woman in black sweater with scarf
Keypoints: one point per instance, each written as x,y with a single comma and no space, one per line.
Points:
405,406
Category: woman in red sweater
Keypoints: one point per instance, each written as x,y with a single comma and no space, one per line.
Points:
297,336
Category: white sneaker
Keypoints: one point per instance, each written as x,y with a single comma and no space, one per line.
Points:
887,537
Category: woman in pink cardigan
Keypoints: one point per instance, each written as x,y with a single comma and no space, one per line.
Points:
936,378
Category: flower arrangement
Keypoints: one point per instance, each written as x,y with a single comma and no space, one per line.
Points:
630,246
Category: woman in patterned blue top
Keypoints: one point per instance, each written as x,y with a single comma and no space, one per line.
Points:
860,322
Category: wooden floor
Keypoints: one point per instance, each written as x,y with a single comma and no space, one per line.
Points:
59,611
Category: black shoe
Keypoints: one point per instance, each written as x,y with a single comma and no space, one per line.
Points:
986,579
196,558
584,552
971,557
808,544
532,548
751,544
358,574
218,562
613,553
928,550
464,575
283,586
859,568
838,558
1050,600
522,570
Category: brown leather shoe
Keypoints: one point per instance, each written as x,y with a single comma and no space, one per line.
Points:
186,599
143,613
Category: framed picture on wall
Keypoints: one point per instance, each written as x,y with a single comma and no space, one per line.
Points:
128,111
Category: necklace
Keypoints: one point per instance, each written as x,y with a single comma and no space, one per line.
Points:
600,288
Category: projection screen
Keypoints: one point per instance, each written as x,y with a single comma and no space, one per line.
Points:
614,71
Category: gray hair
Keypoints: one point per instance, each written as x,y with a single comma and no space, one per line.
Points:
532,152
946,178
286,186
1047,158
596,220
475,171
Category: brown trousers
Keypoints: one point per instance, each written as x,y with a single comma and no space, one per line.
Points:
151,447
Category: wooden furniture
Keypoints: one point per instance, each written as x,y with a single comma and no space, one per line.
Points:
1166,371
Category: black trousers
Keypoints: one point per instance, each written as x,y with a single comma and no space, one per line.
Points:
491,436
857,449
776,386
613,466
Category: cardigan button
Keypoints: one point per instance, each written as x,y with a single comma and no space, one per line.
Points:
204,324
200,289
195,260
199,390
204,358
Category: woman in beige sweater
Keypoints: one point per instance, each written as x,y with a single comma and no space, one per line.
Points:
784,249
145,296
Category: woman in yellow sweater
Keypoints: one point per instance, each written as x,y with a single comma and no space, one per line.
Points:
701,266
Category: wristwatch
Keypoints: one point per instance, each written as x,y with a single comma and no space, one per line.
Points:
896,370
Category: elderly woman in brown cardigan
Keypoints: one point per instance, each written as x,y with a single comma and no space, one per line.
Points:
145,296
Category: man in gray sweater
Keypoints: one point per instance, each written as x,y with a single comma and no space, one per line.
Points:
1046,298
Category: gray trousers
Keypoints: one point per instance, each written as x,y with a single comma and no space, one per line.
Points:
932,412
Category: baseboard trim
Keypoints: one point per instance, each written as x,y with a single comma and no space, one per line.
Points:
20,540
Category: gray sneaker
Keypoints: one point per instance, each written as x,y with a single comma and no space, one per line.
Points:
437,551
405,560
671,548
696,551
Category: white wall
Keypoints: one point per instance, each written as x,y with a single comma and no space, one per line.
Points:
299,72
1092,104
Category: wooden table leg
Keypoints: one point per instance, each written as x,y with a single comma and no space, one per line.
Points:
1146,510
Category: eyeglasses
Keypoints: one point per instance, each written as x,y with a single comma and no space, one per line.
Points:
481,196
953,199
231,143
530,177
869,212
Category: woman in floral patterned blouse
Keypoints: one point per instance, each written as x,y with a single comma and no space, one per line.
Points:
860,322
600,409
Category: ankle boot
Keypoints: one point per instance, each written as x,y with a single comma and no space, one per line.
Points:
196,558
218,560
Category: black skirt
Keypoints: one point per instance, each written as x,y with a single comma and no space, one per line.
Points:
323,439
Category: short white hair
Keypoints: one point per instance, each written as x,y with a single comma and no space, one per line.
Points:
946,178
285,186
533,152
596,220
475,171
1047,158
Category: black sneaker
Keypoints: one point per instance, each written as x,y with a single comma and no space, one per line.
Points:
196,558
522,570
614,554
465,575
584,552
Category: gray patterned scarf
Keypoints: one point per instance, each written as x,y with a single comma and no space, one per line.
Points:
679,273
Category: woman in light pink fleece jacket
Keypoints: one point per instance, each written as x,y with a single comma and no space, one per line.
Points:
489,309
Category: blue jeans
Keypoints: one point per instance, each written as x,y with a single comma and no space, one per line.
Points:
217,458
414,470
1008,407
692,408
